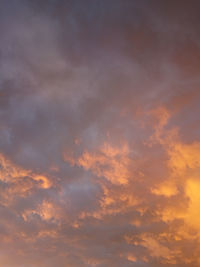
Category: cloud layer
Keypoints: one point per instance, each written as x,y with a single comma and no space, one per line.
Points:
99,133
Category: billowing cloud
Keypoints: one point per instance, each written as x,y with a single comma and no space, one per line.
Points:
99,133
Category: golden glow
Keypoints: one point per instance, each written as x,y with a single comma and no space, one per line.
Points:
109,161
122,180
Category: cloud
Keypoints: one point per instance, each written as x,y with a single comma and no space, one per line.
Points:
99,135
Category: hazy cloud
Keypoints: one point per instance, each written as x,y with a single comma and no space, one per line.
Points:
99,133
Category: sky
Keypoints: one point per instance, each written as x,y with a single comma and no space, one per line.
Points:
99,133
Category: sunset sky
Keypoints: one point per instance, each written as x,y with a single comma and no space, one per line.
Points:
99,133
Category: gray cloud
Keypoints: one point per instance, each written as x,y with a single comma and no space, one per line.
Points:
99,136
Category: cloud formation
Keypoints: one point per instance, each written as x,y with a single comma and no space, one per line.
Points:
99,133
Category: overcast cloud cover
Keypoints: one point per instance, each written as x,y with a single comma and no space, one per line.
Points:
99,133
